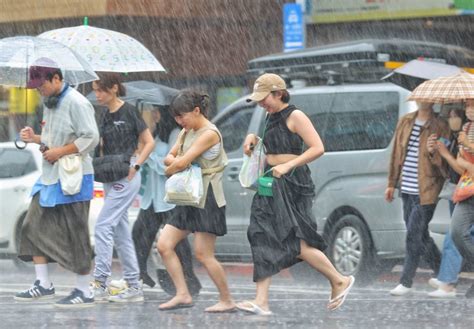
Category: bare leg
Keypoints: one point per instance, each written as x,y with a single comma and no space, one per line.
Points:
169,238
40,260
261,297
318,260
204,249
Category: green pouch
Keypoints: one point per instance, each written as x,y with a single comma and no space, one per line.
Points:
264,184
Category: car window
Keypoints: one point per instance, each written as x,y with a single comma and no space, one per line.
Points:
352,121
16,163
234,127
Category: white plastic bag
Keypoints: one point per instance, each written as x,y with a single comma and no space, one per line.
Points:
253,167
70,173
185,187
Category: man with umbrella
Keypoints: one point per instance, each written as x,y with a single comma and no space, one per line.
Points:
420,177
55,227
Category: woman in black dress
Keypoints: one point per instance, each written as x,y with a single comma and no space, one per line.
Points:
282,231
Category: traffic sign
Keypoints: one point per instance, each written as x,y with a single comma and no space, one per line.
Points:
293,27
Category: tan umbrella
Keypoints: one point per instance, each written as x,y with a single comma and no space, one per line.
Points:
451,89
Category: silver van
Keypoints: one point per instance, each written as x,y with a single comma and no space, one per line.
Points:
356,123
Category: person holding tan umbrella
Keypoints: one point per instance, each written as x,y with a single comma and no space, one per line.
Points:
458,88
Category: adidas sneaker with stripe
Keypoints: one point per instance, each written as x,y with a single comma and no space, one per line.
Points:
75,300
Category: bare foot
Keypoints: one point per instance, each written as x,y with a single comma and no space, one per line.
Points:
177,302
222,307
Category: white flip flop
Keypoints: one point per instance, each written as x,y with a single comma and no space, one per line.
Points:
252,308
342,296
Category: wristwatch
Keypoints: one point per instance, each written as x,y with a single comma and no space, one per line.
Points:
136,166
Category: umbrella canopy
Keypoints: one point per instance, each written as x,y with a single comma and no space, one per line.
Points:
106,50
145,91
415,72
453,89
18,54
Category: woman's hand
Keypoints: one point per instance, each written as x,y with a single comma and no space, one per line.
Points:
131,173
462,138
169,159
281,169
249,143
442,149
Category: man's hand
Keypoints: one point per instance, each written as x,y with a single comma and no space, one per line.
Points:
52,155
431,144
27,135
389,194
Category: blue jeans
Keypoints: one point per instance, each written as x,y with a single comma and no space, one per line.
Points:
418,240
451,260
461,228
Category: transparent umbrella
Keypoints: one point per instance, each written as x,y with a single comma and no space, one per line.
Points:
18,54
106,50
415,72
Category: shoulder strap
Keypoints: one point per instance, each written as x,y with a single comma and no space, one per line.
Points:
181,139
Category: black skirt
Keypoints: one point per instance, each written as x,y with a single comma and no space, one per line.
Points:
210,219
279,223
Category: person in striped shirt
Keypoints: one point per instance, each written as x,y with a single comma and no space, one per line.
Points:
419,175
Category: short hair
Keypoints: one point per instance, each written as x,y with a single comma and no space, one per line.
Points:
285,95
186,100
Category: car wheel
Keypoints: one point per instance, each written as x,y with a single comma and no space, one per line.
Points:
350,248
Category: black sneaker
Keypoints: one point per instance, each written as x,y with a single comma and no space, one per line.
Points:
35,292
75,300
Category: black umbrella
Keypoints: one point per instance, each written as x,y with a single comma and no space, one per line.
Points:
144,91
413,73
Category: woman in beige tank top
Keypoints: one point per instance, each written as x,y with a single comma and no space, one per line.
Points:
199,142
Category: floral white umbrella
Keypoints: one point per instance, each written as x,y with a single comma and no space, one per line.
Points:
106,50
18,54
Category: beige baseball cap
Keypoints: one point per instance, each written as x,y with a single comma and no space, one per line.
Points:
264,85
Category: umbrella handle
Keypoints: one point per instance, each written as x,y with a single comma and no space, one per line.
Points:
19,144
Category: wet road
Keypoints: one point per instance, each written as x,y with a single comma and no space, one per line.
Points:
295,303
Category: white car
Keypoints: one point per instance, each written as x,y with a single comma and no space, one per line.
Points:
19,170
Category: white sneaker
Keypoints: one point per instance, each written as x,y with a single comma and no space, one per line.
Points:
440,293
400,290
435,283
100,293
117,286
130,294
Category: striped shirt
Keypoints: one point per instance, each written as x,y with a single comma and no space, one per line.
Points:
468,128
410,165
